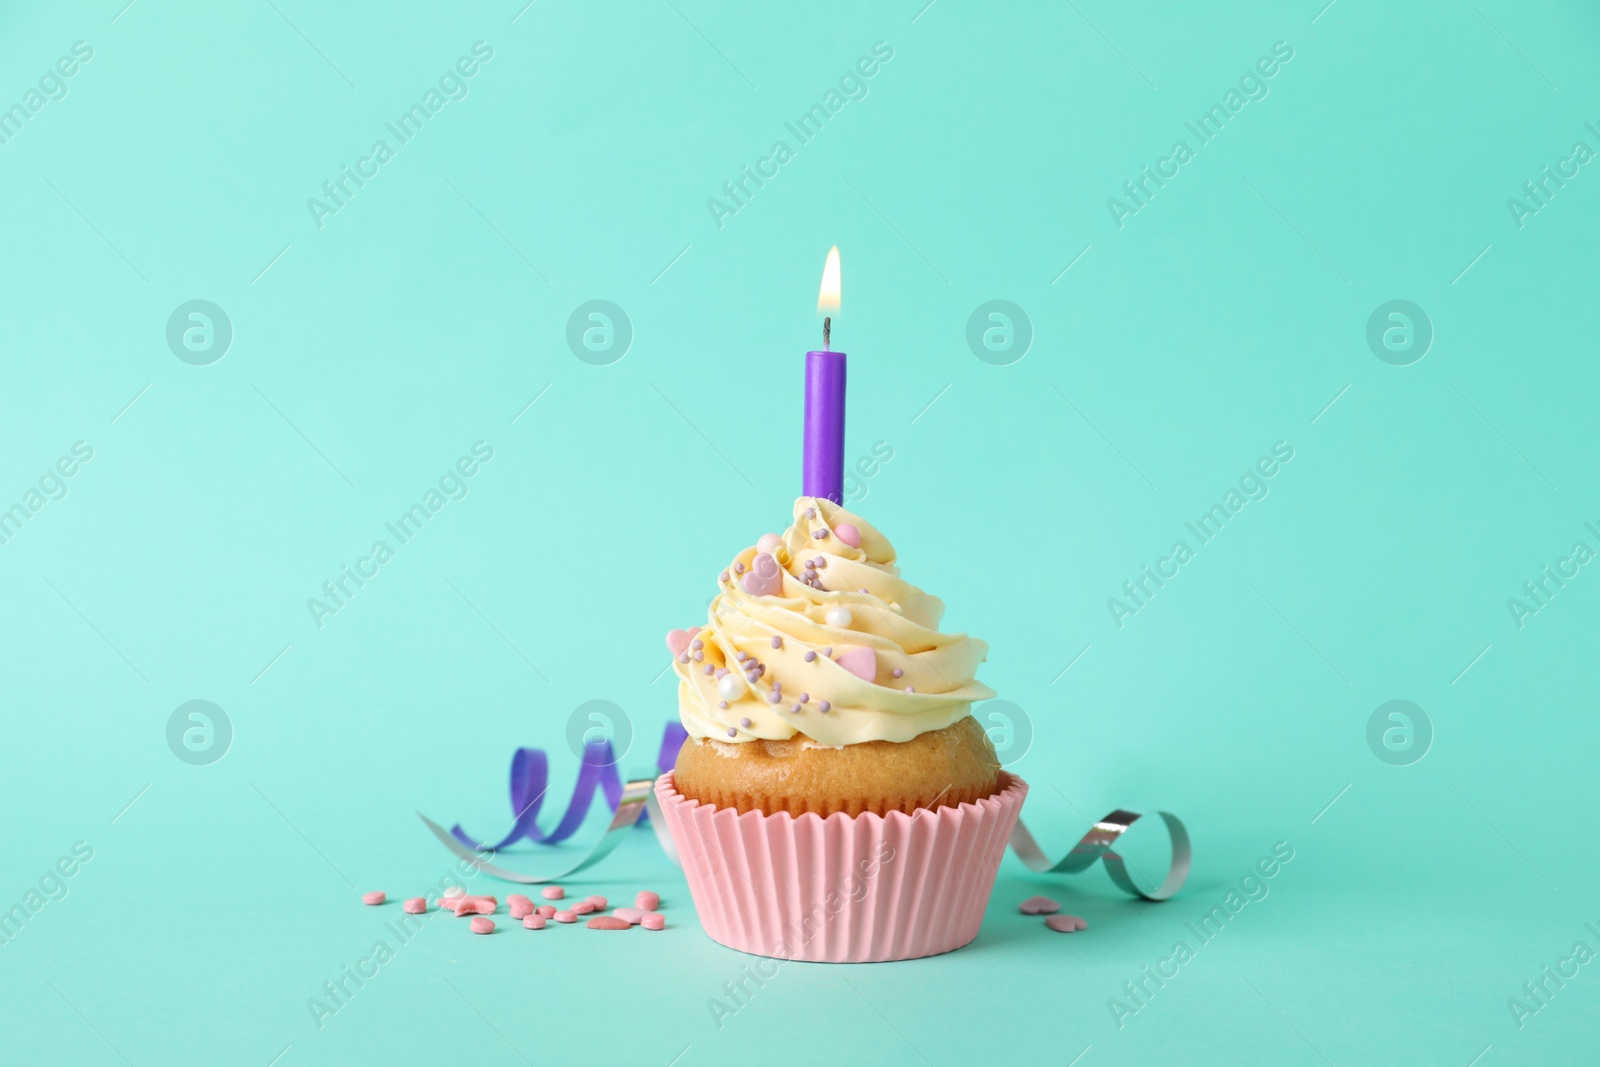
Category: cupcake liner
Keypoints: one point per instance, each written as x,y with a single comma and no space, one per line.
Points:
845,889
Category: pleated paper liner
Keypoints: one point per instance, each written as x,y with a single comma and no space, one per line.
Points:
845,889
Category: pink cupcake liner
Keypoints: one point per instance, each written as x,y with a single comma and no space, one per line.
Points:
845,889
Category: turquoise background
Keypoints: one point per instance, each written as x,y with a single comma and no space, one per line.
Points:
1229,313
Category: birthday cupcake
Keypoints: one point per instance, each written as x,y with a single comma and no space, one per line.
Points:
835,801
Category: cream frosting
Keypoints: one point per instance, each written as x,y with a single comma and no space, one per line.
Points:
892,627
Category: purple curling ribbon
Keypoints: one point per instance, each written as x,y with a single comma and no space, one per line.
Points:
530,779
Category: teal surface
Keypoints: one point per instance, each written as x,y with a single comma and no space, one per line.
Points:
1163,338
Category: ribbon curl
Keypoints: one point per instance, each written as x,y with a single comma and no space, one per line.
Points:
630,802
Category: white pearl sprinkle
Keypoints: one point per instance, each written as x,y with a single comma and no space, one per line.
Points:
730,688
839,617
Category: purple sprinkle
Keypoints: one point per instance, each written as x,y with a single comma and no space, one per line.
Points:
863,589
828,651
761,668
810,656
684,658
821,535
777,642
805,698
776,686
738,568
796,708
720,671
723,576
699,657
710,668
897,672
821,563
911,689
722,703
824,707
811,513
732,732
742,656
751,677
775,697
745,723
697,644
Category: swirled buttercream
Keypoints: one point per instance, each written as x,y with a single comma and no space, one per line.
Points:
816,633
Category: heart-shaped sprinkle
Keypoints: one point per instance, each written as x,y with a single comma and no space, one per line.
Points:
1038,906
678,640
861,662
1066,924
765,577
847,532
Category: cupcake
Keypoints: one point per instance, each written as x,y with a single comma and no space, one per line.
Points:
835,799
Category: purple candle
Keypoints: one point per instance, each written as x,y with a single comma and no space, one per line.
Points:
822,472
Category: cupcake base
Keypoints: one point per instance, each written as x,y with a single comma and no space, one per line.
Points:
845,889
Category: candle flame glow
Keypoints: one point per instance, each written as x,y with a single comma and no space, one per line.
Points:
828,297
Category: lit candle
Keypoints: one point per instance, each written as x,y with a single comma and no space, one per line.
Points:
823,468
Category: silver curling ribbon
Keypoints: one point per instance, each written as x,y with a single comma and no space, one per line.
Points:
1097,845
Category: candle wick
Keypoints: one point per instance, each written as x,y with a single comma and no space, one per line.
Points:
827,328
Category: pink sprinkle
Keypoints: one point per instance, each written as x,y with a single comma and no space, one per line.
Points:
647,901
517,898
374,897
566,916
533,922
481,925
521,909
598,901
1038,906
654,921
545,911
1066,924
608,922
630,915
552,892
476,906
584,907
415,906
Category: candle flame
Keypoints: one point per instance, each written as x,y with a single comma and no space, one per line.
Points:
828,297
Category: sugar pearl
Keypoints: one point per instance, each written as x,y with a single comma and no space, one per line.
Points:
745,723
777,642
824,707
732,732
897,672
730,688
839,618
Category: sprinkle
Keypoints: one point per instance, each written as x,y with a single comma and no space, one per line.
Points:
897,672
777,642
723,576
415,906
722,704
480,925
774,697
810,656
711,668
777,685
741,656
699,657
684,658
811,513
584,907
374,897
745,723
1062,924
629,915
545,911
795,708
732,732
738,568
911,689
565,917
534,922
821,535
697,644
552,892
751,677
608,922
863,589
824,707
805,698
647,900
653,921
828,651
